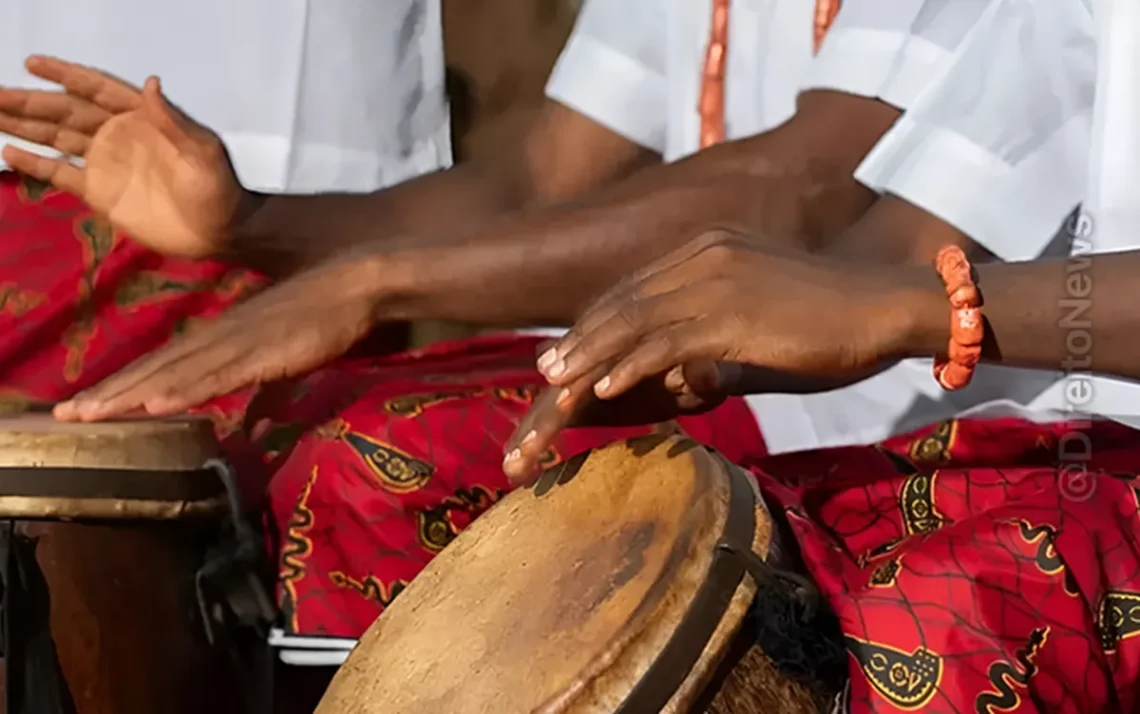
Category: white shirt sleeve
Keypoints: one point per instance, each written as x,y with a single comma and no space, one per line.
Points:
998,144
613,70
893,50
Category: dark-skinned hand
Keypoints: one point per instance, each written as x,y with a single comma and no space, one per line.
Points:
693,388
155,173
285,331
721,299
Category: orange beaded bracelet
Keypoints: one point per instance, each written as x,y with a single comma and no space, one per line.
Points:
967,328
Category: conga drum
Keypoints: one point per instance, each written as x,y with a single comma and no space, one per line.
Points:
639,578
105,531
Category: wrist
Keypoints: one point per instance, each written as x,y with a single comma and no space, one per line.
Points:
918,322
386,281
244,220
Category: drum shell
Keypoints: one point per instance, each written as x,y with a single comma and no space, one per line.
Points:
124,617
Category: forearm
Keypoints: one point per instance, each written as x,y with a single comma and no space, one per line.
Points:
543,268
1075,314
561,155
282,234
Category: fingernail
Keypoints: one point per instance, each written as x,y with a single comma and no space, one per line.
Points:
555,370
563,396
515,455
530,436
548,358
602,386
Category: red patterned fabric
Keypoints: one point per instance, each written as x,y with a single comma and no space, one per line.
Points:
966,583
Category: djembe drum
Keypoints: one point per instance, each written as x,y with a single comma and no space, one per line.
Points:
639,578
105,531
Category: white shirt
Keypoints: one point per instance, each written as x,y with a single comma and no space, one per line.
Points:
634,66
308,95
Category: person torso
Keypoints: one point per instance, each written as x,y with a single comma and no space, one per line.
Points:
308,96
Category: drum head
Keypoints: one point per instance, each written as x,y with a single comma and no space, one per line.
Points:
541,604
179,444
150,468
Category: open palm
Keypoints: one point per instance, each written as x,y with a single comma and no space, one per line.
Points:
152,171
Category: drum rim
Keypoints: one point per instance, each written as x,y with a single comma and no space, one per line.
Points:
102,509
676,661
178,444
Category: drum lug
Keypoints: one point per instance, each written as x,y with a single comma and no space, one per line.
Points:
227,585
803,590
236,608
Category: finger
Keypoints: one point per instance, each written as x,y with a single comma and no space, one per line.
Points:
600,344
179,129
658,352
53,107
553,410
178,385
544,345
56,171
668,274
46,134
148,375
539,408
61,412
204,385
98,87
623,330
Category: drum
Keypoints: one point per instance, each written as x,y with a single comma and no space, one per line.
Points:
105,531
638,578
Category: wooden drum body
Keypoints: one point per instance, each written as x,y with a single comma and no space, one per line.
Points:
616,585
118,516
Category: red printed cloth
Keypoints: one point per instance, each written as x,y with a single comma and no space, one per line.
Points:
974,572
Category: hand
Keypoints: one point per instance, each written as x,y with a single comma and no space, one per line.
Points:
693,388
156,174
288,330
722,299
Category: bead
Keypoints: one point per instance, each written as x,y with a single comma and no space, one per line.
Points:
965,296
967,326
967,355
720,18
954,376
825,12
714,62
